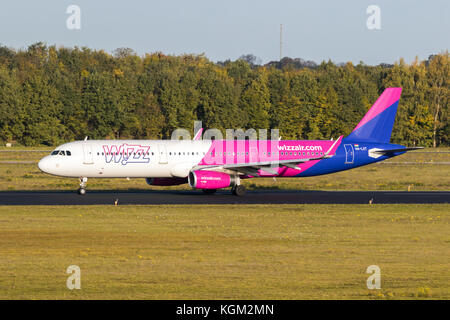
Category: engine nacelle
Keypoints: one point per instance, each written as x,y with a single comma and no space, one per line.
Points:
165,181
203,179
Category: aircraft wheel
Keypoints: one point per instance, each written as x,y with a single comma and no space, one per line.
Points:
81,191
209,191
239,190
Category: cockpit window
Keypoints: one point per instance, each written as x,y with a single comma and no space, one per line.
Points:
61,153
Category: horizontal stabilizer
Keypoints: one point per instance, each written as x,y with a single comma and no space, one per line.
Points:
396,150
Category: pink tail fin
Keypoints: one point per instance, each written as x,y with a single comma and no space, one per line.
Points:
376,125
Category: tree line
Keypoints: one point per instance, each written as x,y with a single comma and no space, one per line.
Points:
50,95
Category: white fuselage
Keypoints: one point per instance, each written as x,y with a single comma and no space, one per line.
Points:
125,158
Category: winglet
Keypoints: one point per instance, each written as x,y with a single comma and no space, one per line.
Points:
198,135
333,147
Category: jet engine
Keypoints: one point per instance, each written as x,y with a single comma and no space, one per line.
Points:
204,179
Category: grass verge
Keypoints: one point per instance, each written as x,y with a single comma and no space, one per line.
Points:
225,252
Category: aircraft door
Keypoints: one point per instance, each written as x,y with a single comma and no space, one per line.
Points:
349,153
88,157
162,151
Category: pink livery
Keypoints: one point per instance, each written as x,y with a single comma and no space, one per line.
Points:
210,165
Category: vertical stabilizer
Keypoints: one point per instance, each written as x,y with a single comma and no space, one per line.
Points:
376,126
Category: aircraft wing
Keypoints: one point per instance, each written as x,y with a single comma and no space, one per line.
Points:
268,166
252,168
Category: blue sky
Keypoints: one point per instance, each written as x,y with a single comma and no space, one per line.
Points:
313,30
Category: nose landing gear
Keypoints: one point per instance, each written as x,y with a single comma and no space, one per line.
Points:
83,182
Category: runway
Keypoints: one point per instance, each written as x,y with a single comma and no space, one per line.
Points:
109,197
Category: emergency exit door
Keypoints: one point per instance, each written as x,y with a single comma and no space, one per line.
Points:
162,152
88,157
349,153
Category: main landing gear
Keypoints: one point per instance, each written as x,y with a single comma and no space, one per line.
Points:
238,190
82,189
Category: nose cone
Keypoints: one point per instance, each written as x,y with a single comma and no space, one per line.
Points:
44,164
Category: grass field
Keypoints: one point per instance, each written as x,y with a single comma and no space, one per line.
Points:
229,252
417,177
225,252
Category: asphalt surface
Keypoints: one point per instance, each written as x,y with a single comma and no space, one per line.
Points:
109,197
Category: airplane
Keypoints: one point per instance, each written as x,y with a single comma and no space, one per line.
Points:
217,164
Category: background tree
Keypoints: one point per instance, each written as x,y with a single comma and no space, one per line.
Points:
439,90
49,95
